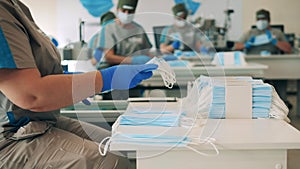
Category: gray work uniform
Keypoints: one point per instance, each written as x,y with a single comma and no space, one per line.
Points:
188,35
266,47
48,140
129,41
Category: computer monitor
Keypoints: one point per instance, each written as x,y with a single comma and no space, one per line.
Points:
157,30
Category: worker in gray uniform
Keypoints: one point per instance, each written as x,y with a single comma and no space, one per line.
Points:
181,35
33,134
266,40
125,42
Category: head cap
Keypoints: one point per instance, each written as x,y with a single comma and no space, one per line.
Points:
127,4
107,17
179,9
263,14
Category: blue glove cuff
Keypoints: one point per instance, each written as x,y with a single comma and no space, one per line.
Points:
106,79
274,41
247,45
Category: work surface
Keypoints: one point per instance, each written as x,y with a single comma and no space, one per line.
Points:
237,134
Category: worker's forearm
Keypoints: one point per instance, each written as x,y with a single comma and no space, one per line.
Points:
239,46
166,48
116,59
284,46
57,91
28,90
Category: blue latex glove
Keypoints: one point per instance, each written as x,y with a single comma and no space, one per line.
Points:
142,59
169,57
176,44
98,54
250,42
273,40
124,77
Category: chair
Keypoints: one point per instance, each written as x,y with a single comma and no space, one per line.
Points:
157,30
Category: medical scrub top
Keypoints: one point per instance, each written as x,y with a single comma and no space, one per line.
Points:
125,41
188,35
24,45
265,47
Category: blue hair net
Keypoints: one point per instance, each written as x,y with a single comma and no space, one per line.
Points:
97,7
191,6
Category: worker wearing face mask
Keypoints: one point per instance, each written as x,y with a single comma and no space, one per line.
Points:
125,41
181,35
263,38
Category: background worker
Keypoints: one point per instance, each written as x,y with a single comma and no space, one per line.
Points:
94,43
125,42
181,35
265,40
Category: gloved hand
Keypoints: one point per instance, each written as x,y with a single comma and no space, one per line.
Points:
124,77
269,35
142,59
169,57
98,54
176,44
250,42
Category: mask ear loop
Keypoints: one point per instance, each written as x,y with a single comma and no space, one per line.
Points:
165,71
106,146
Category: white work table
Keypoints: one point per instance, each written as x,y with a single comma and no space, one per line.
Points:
243,144
190,73
284,67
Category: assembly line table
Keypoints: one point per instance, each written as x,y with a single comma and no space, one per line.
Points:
280,67
243,143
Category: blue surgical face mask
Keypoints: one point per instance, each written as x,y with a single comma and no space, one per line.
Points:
125,18
262,24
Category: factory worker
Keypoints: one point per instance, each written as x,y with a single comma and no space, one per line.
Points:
33,134
94,43
181,35
126,41
265,40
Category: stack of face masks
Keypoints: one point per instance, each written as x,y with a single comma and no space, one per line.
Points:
167,120
207,99
229,58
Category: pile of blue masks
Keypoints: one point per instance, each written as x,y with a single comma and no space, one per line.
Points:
166,120
261,101
229,58
206,98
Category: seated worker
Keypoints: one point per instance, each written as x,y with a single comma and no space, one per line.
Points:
94,43
125,42
181,35
33,89
264,39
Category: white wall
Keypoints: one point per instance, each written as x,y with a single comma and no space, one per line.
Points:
61,17
285,12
